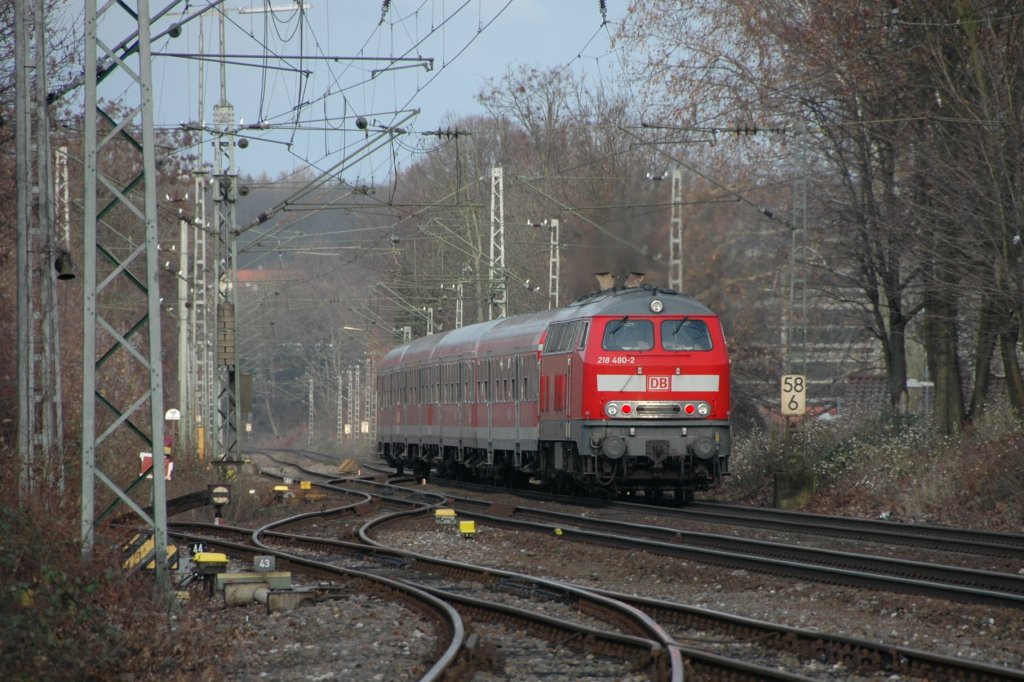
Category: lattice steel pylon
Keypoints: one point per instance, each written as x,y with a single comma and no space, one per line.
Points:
554,263
228,412
498,282
122,385
675,237
369,400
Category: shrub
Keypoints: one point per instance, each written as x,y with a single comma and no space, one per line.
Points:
867,463
62,618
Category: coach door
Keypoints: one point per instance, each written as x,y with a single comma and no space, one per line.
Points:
489,393
517,399
574,380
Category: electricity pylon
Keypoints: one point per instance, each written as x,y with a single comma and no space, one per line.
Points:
121,296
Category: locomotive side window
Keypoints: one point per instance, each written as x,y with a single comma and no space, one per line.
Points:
627,334
561,337
685,334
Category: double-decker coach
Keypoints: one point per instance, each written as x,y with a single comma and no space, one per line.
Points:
625,390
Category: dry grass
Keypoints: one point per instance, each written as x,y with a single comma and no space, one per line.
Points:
865,466
65,618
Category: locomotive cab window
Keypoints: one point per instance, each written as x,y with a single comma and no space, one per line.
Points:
685,334
627,334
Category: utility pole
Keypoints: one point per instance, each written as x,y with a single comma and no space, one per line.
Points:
353,402
201,360
554,259
459,305
554,263
796,329
341,408
198,417
38,254
498,299
675,237
132,264
310,423
369,404
185,397
225,196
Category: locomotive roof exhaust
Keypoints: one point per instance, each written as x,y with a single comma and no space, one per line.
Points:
606,280
634,279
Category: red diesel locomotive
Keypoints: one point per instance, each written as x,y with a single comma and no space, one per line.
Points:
624,390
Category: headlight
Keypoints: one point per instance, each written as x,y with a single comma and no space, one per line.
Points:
611,409
657,306
703,409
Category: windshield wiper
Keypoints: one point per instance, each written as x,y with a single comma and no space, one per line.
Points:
680,325
618,326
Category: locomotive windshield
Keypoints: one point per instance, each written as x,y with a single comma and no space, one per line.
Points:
627,334
685,334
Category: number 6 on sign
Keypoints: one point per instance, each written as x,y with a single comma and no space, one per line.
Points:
794,394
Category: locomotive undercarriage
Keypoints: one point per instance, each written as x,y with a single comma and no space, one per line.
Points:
628,460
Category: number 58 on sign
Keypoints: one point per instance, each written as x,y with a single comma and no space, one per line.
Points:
794,394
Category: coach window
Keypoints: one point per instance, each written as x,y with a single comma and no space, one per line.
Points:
583,336
514,383
626,334
480,382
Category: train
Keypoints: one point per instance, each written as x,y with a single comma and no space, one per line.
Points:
624,392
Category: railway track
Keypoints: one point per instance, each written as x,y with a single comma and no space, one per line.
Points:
943,538
448,626
794,561
731,636
772,646
830,566
571,623
939,538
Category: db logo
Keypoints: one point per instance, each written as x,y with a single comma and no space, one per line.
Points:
658,383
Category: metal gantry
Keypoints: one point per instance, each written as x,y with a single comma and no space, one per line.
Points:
121,297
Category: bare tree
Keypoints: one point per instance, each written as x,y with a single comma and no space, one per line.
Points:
910,108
